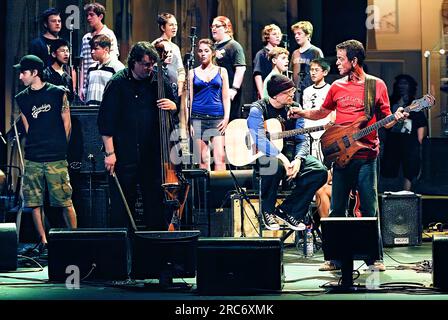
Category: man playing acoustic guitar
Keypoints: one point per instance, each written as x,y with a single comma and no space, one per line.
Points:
346,96
306,171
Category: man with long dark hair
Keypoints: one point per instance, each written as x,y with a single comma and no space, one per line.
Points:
128,120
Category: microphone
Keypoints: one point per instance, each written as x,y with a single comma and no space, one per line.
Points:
70,27
193,33
187,57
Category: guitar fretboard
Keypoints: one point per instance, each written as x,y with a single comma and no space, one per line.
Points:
417,105
290,133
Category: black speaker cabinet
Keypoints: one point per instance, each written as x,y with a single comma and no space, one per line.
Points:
84,151
8,246
401,219
440,262
92,206
104,253
239,265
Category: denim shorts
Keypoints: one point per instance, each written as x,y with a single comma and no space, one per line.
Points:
40,175
205,126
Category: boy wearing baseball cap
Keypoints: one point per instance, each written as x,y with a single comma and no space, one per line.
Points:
46,117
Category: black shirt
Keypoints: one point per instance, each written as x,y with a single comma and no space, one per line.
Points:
41,47
46,140
63,80
230,54
130,115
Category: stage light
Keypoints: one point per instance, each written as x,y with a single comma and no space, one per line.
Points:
427,54
442,51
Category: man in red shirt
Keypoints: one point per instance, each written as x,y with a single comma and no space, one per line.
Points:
346,96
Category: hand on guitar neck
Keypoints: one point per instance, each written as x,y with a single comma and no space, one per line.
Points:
340,143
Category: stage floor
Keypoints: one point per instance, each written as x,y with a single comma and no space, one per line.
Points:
407,267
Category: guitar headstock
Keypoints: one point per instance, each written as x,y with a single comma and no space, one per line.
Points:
425,102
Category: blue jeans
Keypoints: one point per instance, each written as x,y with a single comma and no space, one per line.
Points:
362,175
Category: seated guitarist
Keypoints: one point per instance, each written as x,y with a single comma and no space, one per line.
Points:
307,172
346,96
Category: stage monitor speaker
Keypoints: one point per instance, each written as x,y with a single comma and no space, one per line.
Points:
98,253
8,246
401,219
84,151
239,265
440,262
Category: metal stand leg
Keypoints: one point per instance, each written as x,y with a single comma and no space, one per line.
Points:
260,212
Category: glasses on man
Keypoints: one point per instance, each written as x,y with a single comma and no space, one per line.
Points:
316,69
290,92
145,64
216,26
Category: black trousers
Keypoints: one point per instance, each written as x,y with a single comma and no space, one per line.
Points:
312,175
150,185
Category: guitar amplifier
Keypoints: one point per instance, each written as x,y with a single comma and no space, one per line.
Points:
401,219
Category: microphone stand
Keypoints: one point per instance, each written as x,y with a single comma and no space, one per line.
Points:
70,63
92,160
190,65
285,41
19,149
71,67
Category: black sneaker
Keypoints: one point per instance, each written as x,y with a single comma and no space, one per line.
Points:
43,250
292,222
269,221
29,250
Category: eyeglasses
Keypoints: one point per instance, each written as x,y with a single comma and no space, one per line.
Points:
316,69
215,26
290,92
144,64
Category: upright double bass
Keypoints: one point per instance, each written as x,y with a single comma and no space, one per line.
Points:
174,185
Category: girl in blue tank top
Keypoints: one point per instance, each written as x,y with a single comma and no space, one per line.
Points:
210,107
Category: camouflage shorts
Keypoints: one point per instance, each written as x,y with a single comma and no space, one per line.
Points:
54,175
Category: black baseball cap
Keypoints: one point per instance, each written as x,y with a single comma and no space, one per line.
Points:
30,62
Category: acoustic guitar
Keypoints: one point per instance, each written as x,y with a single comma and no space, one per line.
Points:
240,146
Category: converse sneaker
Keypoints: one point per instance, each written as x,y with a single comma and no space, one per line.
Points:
292,222
269,221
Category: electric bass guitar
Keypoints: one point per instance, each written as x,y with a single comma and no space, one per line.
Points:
339,143
240,146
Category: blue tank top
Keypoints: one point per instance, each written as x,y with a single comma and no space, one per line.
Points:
207,96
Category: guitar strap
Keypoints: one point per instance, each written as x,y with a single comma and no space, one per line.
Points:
369,96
